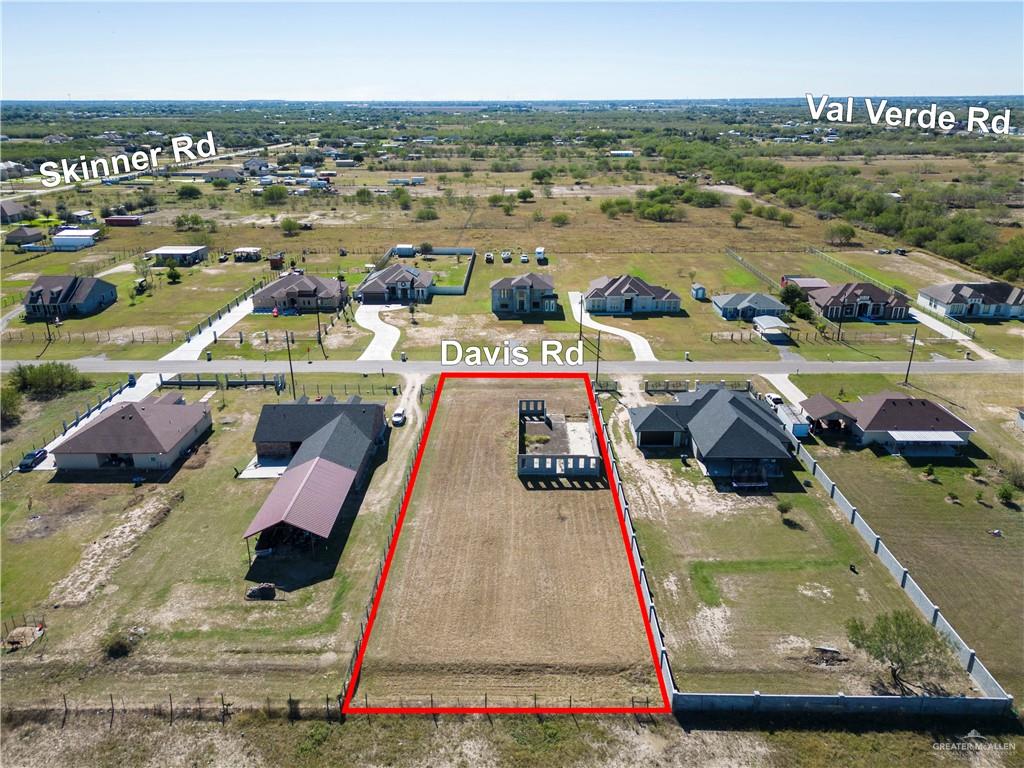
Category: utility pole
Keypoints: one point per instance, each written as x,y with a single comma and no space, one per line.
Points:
842,311
581,317
291,370
913,346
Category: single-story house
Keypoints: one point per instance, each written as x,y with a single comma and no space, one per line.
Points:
74,239
301,293
859,301
901,424
24,236
152,435
628,295
804,282
331,446
747,306
256,166
182,255
63,296
232,175
524,295
731,433
993,299
11,211
397,283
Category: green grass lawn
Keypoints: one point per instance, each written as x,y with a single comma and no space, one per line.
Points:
975,578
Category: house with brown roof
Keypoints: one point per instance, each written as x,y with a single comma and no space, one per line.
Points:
529,294
901,424
331,446
859,301
295,293
629,295
149,435
11,211
66,296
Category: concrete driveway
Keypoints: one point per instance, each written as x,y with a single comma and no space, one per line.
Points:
951,333
385,336
641,347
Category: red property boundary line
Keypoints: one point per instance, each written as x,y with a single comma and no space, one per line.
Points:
347,707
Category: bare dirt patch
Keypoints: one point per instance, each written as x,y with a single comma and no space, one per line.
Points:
102,557
494,585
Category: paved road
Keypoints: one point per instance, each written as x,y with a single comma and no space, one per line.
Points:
641,347
385,336
11,316
658,368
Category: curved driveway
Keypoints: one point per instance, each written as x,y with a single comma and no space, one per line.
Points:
385,336
641,347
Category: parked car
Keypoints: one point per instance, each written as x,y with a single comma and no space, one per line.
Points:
32,460
131,380
489,257
774,400
882,251
506,257
901,251
223,258
524,258
398,417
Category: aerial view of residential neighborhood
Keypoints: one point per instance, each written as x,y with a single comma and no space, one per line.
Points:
512,384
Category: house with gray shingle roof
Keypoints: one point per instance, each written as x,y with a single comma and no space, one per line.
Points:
629,295
731,433
66,296
396,284
297,293
747,306
332,446
993,299
527,294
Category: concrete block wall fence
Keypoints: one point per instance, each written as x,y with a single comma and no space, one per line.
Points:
993,692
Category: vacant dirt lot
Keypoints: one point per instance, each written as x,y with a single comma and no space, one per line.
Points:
501,590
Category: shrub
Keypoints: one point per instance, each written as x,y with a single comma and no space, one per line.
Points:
189,192
560,219
173,275
10,406
1005,494
427,214
785,507
275,193
49,380
117,645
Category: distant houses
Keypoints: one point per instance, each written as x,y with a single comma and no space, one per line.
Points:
231,175
396,284
629,295
149,435
747,306
528,294
966,300
899,423
11,211
297,294
859,301
732,434
180,255
64,296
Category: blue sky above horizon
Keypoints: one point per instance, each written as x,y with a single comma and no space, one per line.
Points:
497,51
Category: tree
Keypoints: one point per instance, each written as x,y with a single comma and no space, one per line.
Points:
426,248
48,380
173,275
791,295
786,217
289,227
10,406
542,176
525,195
221,183
737,217
427,213
189,192
275,193
508,207
840,234
744,204
560,219
495,200
364,196
909,646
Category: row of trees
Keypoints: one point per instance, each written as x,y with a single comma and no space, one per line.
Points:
37,382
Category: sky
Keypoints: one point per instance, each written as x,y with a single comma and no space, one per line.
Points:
502,51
